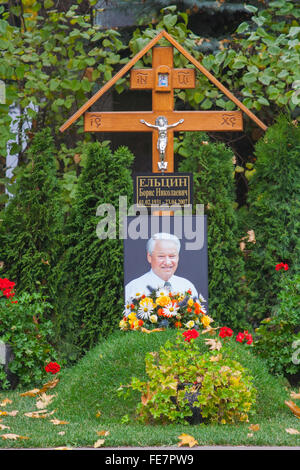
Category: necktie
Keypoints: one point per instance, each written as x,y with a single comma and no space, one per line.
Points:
168,286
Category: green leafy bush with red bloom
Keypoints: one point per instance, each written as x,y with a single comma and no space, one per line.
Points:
277,339
183,379
26,328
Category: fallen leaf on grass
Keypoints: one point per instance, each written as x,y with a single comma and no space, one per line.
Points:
99,443
2,426
5,402
102,433
38,391
57,421
44,401
30,393
187,440
292,431
49,385
294,395
214,344
9,413
293,407
39,414
145,330
98,414
13,436
254,427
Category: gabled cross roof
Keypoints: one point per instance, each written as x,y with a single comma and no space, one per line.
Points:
137,57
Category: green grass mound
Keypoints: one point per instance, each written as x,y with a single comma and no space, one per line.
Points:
91,387
87,402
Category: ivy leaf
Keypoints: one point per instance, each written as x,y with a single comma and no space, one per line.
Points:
170,20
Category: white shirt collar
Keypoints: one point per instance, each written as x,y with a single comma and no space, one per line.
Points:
159,280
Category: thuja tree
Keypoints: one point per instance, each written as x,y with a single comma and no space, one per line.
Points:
212,168
273,214
31,229
90,275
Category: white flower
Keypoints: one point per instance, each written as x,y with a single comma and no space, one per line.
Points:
145,310
201,298
190,324
170,310
161,292
127,309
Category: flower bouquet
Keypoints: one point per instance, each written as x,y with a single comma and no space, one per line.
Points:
164,309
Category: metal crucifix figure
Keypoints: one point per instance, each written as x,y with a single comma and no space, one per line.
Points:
161,124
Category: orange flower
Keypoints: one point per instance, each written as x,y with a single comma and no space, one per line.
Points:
163,300
160,312
140,322
197,309
178,324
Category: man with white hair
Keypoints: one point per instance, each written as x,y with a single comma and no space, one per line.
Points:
163,256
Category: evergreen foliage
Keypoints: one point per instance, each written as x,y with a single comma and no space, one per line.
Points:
278,337
212,168
274,215
31,230
90,275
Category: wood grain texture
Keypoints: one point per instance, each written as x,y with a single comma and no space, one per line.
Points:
193,121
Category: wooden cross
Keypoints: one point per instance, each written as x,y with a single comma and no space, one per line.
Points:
162,78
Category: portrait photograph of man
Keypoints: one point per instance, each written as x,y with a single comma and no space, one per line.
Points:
163,261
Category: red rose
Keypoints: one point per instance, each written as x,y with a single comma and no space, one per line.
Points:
52,367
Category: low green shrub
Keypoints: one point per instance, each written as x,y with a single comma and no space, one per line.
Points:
278,336
183,379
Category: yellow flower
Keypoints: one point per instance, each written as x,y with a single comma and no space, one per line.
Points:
153,318
132,316
163,300
190,324
190,302
205,319
146,300
123,325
